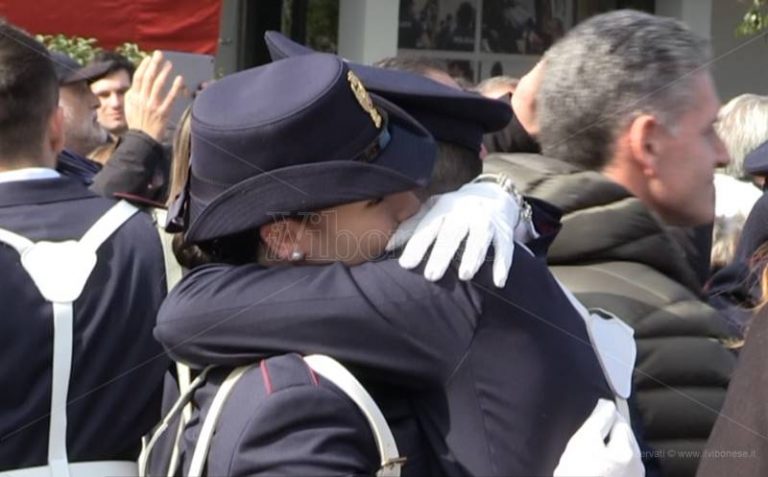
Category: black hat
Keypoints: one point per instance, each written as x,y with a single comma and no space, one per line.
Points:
450,114
293,136
69,71
756,162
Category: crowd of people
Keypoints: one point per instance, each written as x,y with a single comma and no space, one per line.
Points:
342,269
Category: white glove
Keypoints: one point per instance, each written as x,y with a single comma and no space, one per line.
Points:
483,213
587,454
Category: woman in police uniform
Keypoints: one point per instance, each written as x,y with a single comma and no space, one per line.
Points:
292,163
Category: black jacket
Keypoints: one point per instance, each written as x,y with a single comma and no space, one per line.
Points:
613,253
138,168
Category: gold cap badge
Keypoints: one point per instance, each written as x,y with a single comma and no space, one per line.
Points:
363,98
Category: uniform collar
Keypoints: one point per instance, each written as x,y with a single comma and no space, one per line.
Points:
28,174
42,191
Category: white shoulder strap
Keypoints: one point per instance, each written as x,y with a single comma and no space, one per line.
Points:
15,240
173,274
149,444
330,369
172,267
200,454
184,375
60,271
333,371
108,224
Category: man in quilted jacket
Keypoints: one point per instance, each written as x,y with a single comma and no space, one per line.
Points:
625,115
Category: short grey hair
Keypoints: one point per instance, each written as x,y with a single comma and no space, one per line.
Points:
455,166
607,71
742,125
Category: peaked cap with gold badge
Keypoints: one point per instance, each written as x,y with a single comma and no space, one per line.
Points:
289,137
451,115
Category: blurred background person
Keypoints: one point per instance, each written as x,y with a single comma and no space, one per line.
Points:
110,89
83,132
742,211
743,126
738,444
432,69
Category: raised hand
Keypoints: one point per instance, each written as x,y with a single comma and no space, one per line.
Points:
147,107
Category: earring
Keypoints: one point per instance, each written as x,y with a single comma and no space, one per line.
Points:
297,256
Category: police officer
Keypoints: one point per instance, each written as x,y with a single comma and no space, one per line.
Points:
483,371
458,120
281,417
82,374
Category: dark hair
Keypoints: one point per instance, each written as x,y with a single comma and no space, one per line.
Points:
195,255
117,62
236,249
455,166
29,93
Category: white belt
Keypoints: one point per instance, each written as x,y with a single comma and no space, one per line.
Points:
100,468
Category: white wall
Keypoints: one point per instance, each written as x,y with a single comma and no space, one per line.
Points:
697,14
741,64
368,29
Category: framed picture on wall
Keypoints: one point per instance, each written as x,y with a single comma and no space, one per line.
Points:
524,27
498,65
448,25
482,38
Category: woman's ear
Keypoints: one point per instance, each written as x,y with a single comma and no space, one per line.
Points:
280,239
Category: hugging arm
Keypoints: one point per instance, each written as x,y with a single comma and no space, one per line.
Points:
375,316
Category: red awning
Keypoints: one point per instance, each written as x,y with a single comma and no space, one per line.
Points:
189,25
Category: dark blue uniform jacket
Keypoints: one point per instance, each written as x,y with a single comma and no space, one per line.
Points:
114,393
280,419
497,379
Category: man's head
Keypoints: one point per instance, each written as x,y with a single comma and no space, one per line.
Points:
30,123
629,94
743,126
82,131
111,89
456,123
432,69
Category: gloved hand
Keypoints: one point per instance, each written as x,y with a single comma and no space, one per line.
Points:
587,454
483,213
